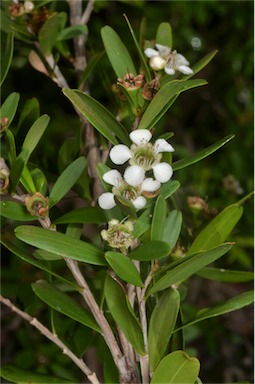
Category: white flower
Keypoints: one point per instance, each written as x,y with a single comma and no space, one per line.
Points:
118,235
170,61
143,154
131,186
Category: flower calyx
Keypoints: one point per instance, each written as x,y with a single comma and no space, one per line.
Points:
119,235
131,82
37,205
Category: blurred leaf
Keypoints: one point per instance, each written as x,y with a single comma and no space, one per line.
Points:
150,250
15,211
66,180
90,67
72,31
7,57
61,244
34,134
123,314
176,368
233,304
92,215
164,35
168,189
124,268
202,154
29,114
188,267
49,31
98,116
63,303
172,228
9,107
226,275
162,101
158,219
21,376
217,231
161,326
117,53
110,370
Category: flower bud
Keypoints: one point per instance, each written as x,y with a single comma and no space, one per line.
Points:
4,177
196,203
37,205
157,63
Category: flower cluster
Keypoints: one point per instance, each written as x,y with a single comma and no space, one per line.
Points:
164,58
143,157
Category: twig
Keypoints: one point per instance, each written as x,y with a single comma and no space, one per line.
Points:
86,14
118,357
54,338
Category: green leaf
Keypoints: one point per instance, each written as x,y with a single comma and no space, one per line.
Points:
176,368
161,326
40,181
21,376
158,219
162,101
217,231
226,275
45,255
29,114
124,268
188,267
92,215
202,154
12,147
15,211
150,250
9,107
117,53
90,67
98,116
72,31
63,303
126,207
164,35
172,228
66,180
123,314
230,305
142,224
34,135
168,189
60,244
48,33
7,57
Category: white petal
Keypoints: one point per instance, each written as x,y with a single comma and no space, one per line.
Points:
119,154
161,145
113,177
169,71
157,63
180,60
106,200
134,175
140,136
139,202
186,70
149,52
150,185
163,50
162,172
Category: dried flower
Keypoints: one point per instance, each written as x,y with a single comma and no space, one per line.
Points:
131,82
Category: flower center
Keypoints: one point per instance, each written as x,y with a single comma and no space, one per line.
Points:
127,191
145,156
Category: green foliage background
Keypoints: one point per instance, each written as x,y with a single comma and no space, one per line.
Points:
198,119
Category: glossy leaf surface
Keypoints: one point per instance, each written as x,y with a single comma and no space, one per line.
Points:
124,268
123,314
176,368
161,326
150,250
217,231
67,179
98,116
34,134
63,303
188,267
61,244
117,52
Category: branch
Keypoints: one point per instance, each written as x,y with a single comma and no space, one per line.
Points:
86,14
107,333
54,338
